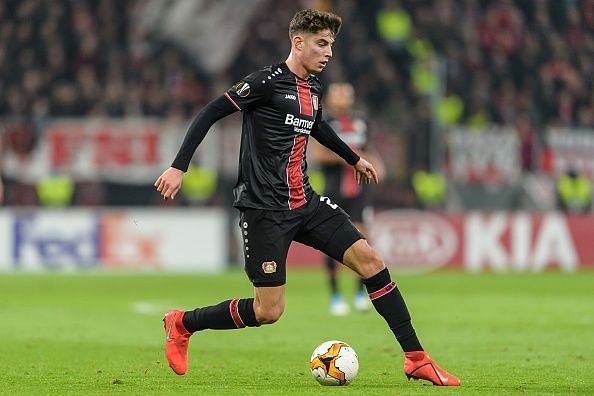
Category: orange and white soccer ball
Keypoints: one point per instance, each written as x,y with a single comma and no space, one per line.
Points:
334,363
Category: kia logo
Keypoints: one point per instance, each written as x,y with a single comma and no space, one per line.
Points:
413,240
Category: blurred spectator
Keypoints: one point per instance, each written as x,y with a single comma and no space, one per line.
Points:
430,189
574,193
393,24
526,137
55,191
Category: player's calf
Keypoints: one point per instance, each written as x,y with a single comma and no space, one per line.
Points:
268,315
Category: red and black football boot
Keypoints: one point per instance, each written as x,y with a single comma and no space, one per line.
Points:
176,341
418,365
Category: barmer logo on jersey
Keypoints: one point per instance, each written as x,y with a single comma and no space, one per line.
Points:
301,125
242,89
269,267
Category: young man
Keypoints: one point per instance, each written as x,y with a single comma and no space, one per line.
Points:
281,108
340,185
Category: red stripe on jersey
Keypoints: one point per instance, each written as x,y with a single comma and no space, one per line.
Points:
234,310
383,291
304,94
295,174
232,101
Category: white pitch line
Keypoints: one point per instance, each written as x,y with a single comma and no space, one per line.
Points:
148,308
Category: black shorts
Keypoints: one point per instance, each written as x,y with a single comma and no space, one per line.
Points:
353,206
267,235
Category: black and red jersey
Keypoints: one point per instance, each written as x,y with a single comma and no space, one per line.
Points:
339,180
279,113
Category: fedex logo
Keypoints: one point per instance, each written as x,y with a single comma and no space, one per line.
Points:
59,240
122,245
45,242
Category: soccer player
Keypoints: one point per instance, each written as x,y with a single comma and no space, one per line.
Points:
281,108
340,185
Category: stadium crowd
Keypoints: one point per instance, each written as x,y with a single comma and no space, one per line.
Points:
80,58
520,63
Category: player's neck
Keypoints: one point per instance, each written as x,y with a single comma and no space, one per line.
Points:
296,67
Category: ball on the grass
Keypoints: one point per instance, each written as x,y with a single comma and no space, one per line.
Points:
334,363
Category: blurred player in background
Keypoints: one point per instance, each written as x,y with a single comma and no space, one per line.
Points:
281,107
340,185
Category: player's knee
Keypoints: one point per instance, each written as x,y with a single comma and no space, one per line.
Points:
375,262
268,315
370,263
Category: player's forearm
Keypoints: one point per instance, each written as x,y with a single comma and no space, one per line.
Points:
211,113
324,134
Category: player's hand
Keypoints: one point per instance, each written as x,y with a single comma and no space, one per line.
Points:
365,172
169,183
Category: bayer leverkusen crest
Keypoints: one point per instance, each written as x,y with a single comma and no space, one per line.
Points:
269,267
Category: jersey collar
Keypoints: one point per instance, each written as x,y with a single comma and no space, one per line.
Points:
285,68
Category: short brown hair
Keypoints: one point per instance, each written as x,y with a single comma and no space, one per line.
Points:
314,21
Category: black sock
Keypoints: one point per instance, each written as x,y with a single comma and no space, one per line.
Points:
388,301
333,273
230,314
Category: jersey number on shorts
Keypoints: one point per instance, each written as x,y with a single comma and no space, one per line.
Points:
327,200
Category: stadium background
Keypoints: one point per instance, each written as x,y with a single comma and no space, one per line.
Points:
496,97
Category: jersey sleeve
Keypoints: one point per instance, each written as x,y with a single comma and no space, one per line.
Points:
250,91
324,134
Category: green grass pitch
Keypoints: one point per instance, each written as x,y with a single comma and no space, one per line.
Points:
102,333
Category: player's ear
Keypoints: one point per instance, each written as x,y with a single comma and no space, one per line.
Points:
298,42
